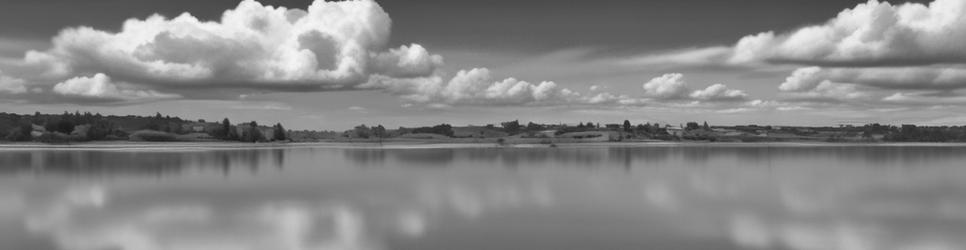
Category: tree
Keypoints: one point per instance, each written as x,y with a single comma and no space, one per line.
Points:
252,134
226,131
233,134
706,127
279,132
627,126
20,133
99,129
362,131
379,131
64,126
442,129
534,127
692,126
511,127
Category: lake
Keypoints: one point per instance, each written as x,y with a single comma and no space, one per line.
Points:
591,196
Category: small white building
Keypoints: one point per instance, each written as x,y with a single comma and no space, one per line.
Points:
675,131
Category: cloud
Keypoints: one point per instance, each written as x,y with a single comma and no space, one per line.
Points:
259,48
667,86
904,86
870,34
857,56
718,92
708,56
828,91
672,86
407,61
802,79
256,105
330,45
910,78
100,88
11,85
476,87
925,98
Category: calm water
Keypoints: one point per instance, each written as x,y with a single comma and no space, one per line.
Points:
573,197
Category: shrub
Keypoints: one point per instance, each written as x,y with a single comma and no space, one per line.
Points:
151,135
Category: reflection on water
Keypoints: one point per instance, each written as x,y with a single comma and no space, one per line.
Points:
139,162
580,197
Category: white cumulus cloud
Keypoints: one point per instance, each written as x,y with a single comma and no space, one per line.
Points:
718,92
667,86
871,33
100,87
919,77
802,79
827,91
476,87
12,85
872,46
874,33
672,86
328,45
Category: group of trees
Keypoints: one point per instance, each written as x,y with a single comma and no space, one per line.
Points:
90,127
252,132
378,131
363,131
511,127
442,129
696,126
913,133
65,127
165,124
514,127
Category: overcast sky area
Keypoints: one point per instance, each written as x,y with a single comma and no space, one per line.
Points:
332,65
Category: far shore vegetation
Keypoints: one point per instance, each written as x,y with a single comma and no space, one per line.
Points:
77,127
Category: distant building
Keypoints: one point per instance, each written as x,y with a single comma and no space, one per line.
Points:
675,131
761,132
200,127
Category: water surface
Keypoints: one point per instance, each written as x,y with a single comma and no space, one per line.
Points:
668,196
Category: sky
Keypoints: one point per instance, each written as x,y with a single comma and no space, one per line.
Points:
332,65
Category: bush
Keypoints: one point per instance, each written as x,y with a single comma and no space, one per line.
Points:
56,137
151,135
20,133
442,129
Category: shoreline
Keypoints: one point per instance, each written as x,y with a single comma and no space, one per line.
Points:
415,144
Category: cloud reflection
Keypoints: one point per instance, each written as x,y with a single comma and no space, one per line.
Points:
168,215
682,197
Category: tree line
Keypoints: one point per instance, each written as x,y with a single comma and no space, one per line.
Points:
87,126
